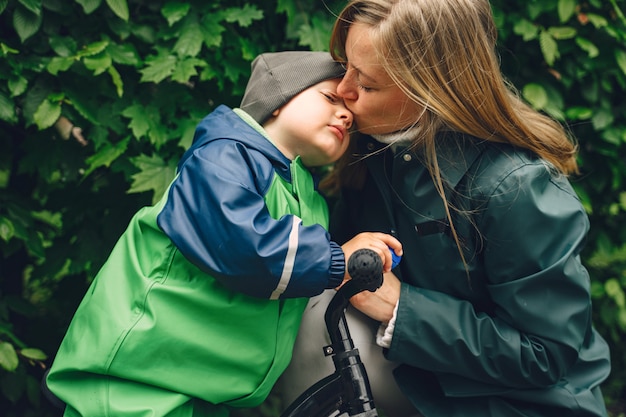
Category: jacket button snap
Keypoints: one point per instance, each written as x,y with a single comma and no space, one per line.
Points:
407,157
370,146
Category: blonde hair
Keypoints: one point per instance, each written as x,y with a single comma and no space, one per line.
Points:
442,54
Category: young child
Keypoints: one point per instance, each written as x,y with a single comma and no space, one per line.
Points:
199,304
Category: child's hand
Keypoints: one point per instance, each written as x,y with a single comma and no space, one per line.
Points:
381,243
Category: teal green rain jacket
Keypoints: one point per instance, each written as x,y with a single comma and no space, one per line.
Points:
512,338
200,301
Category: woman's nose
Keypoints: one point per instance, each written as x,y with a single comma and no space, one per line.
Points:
346,89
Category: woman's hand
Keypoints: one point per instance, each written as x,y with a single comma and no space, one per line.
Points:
380,243
379,304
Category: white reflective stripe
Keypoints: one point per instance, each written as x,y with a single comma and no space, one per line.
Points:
289,260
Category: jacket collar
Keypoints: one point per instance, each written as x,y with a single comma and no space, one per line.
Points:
456,152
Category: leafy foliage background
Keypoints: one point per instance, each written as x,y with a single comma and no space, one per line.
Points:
99,98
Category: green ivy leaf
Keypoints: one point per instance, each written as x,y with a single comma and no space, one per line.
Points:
47,114
98,64
158,68
120,8
317,35
186,69
89,6
620,58
549,47
7,230
59,64
562,32
155,175
139,119
597,21
587,46
116,78
106,155
124,54
33,6
536,95
8,357
579,113
190,40
93,48
526,29
243,16
34,354
566,9
7,109
212,31
602,119
174,11
17,85
26,23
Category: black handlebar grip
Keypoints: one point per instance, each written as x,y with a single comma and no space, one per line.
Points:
366,269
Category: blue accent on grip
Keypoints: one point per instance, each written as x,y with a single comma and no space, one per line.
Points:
395,259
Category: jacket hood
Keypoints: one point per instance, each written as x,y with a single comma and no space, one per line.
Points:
224,123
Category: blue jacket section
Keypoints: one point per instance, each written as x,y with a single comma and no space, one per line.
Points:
216,214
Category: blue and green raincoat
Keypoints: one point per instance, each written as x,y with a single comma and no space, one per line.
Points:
198,306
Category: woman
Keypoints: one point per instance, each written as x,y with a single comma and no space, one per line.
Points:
489,312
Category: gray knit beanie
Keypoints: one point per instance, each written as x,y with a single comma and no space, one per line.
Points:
279,76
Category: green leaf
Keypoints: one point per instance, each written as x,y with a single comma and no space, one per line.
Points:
106,155
8,357
34,354
17,85
317,35
7,109
124,54
3,5
620,58
526,29
158,68
189,41
579,113
98,64
120,8
47,114
549,47
26,23
597,21
588,46
93,48
155,175
186,69
63,46
89,6
174,11
116,78
59,64
243,16
7,230
212,31
139,119
602,119
566,9
562,32
536,95
33,6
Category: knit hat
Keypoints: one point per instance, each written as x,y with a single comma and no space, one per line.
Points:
279,76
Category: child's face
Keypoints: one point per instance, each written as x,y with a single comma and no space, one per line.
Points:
314,125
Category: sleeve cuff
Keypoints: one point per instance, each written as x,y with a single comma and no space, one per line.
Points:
337,265
385,330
